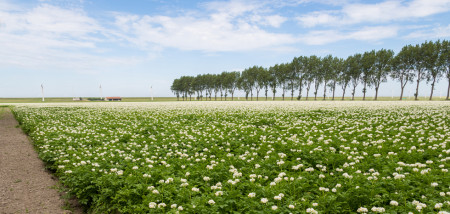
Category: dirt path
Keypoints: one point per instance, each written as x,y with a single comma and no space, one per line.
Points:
25,186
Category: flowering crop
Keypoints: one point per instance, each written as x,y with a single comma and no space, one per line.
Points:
279,157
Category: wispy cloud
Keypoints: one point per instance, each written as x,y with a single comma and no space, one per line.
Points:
371,34
51,36
371,22
438,32
387,11
64,35
227,26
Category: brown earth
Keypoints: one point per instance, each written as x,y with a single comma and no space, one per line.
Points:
25,185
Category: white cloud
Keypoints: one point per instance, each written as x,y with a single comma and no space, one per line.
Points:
322,37
47,36
214,34
6,6
370,34
60,22
234,7
65,37
228,26
374,33
293,3
274,21
387,11
318,18
53,36
439,32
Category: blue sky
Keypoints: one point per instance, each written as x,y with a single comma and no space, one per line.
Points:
73,46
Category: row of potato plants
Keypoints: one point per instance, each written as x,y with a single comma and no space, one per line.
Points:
247,158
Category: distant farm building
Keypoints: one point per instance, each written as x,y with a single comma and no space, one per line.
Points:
113,98
77,99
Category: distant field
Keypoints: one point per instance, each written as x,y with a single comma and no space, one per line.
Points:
69,99
171,99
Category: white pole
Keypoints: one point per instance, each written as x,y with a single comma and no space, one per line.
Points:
101,92
42,90
151,91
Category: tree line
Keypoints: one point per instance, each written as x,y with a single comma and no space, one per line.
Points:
429,61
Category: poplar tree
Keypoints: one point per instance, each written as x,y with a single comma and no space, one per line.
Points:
382,68
367,66
403,67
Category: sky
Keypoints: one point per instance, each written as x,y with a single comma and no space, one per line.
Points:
74,46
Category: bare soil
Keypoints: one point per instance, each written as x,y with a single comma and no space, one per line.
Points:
25,185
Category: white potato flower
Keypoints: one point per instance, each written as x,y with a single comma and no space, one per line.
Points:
152,205
393,203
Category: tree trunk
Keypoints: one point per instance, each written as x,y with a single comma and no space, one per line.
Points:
316,88
376,92
343,93
334,89
432,88
232,96
307,93
300,92
401,87
325,91
448,89
257,95
292,93
417,87
353,93
401,93
364,90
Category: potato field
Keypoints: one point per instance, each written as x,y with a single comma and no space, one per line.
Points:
247,157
